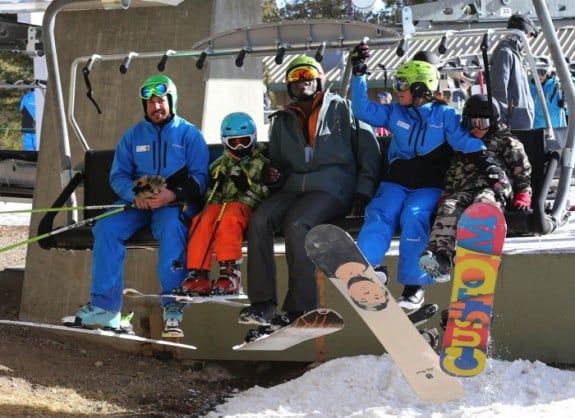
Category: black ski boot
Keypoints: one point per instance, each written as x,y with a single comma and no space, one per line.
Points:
431,335
255,333
423,314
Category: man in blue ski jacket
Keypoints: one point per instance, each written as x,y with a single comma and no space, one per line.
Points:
165,146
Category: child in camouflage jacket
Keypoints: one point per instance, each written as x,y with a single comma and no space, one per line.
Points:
236,189
466,184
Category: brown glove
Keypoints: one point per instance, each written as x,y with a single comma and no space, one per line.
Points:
148,186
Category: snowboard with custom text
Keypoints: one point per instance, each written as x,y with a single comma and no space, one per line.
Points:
334,251
480,237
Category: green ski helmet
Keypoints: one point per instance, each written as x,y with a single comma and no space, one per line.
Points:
159,85
419,76
304,63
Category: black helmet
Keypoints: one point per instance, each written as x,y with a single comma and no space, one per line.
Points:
477,106
427,56
523,23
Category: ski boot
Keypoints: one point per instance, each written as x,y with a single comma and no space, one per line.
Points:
423,314
92,317
412,297
258,313
431,335
173,316
283,320
437,265
444,318
255,333
381,273
229,282
197,283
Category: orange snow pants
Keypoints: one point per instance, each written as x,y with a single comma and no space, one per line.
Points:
225,242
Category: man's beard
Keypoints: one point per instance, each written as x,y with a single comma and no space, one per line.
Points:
304,94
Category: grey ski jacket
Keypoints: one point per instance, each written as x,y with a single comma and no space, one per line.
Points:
345,158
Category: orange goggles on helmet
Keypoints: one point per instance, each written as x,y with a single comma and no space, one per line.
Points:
302,73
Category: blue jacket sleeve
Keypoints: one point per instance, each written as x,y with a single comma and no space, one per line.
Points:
456,135
375,114
198,158
121,174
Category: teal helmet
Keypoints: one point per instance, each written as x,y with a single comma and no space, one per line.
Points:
159,85
238,133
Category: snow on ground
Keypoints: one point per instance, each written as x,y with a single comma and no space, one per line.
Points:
14,219
372,386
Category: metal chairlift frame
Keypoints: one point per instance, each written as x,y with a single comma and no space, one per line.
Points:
314,35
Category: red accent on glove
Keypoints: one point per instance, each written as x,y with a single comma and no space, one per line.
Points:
522,201
440,201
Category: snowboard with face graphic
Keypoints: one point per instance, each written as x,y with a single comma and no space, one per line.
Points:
334,251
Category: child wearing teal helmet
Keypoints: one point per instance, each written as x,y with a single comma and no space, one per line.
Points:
235,190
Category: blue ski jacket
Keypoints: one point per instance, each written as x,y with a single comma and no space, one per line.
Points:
554,100
423,137
176,151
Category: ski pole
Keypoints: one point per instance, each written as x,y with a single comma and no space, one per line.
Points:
213,235
484,48
68,227
201,213
61,209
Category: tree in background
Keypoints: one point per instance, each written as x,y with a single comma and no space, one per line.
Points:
330,9
13,67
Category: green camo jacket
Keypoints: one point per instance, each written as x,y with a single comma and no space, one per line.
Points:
225,190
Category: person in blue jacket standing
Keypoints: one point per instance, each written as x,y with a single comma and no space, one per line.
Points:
166,145
425,131
554,98
28,112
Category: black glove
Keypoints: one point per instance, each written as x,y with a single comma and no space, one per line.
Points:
359,57
240,180
498,182
270,175
359,203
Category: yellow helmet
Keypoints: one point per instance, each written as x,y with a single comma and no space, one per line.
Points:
417,72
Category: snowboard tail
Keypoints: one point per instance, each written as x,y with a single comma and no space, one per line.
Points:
334,251
231,300
97,332
313,324
480,237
